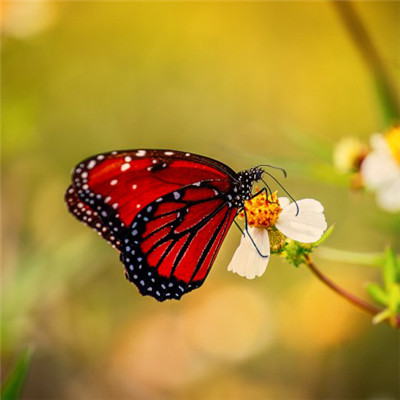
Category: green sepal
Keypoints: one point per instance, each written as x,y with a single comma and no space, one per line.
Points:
325,236
294,252
377,294
382,316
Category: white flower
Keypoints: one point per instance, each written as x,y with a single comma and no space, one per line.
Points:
307,227
381,169
347,154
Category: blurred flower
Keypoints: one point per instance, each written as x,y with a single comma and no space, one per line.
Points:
348,155
24,19
322,319
381,169
154,354
269,220
220,334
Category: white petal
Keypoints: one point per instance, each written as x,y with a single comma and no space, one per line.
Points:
247,261
309,205
379,144
283,201
378,169
389,196
307,226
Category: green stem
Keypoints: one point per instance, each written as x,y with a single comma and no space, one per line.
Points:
361,304
384,83
352,257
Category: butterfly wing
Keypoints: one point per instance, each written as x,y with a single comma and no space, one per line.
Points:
166,211
173,242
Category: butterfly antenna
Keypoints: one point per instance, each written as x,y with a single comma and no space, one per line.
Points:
290,196
275,167
268,189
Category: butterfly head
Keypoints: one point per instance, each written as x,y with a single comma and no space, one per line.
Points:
243,189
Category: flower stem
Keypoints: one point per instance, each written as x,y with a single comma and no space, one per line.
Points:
384,83
362,304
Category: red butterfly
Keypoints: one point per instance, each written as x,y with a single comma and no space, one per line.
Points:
166,211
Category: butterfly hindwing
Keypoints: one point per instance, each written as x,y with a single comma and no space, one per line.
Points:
172,243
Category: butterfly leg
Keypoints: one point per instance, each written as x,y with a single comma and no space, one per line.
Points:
266,189
246,231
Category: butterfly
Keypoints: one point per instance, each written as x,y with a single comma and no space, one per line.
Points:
167,212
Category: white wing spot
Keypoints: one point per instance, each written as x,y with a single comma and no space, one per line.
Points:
176,195
115,205
85,187
169,153
137,205
114,182
141,153
84,175
91,164
125,166
154,161
107,199
134,187
128,159
100,157
187,154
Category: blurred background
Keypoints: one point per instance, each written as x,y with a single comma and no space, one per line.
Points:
245,83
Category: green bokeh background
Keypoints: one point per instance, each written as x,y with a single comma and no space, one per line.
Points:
245,83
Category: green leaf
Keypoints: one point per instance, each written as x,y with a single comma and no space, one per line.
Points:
377,294
391,268
325,236
14,383
352,257
394,298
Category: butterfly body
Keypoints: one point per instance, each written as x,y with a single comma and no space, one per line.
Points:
167,212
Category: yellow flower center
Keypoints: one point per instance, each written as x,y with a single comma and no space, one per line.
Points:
262,212
393,140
